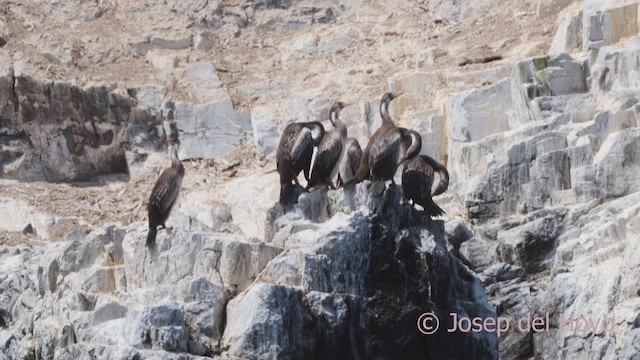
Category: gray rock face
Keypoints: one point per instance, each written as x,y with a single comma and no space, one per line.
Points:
470,109
568,37
544,76
210,129
114,297
269,321
266,130
606,22
59,132
349,281
552,199
4,33
610,66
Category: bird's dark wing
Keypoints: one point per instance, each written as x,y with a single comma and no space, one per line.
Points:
286,143
385,145
354,154
426,180
165,192
328,152
301,142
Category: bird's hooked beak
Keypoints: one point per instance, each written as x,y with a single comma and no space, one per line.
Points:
397,94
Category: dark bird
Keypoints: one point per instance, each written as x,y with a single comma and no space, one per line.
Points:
388,147
325,167
164,194
393,148
417,179
349,161
364,172
294,155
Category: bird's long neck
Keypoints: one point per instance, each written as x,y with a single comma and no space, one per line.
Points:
443,183
337,123
384,113
416,145
175,162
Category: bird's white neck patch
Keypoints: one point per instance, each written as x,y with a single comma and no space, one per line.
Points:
333,116
384,109
315,132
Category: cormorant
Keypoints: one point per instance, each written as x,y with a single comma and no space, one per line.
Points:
417,179
387,125
294,155
392,149
325,166
164,194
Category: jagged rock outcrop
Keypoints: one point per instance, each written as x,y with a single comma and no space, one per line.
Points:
342,277
60,132
57,131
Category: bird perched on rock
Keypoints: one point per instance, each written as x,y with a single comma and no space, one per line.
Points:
164,194
388,147
417,179
294,155
326,164
349,161
395,146
387,125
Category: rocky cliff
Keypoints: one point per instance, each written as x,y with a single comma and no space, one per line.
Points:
537,121
342,277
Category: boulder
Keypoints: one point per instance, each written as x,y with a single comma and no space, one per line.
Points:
530,244
269,321
568,37
320,262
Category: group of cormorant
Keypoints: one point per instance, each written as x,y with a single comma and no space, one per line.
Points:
336,154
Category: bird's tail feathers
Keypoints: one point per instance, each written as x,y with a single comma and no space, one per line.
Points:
432,209
151,237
